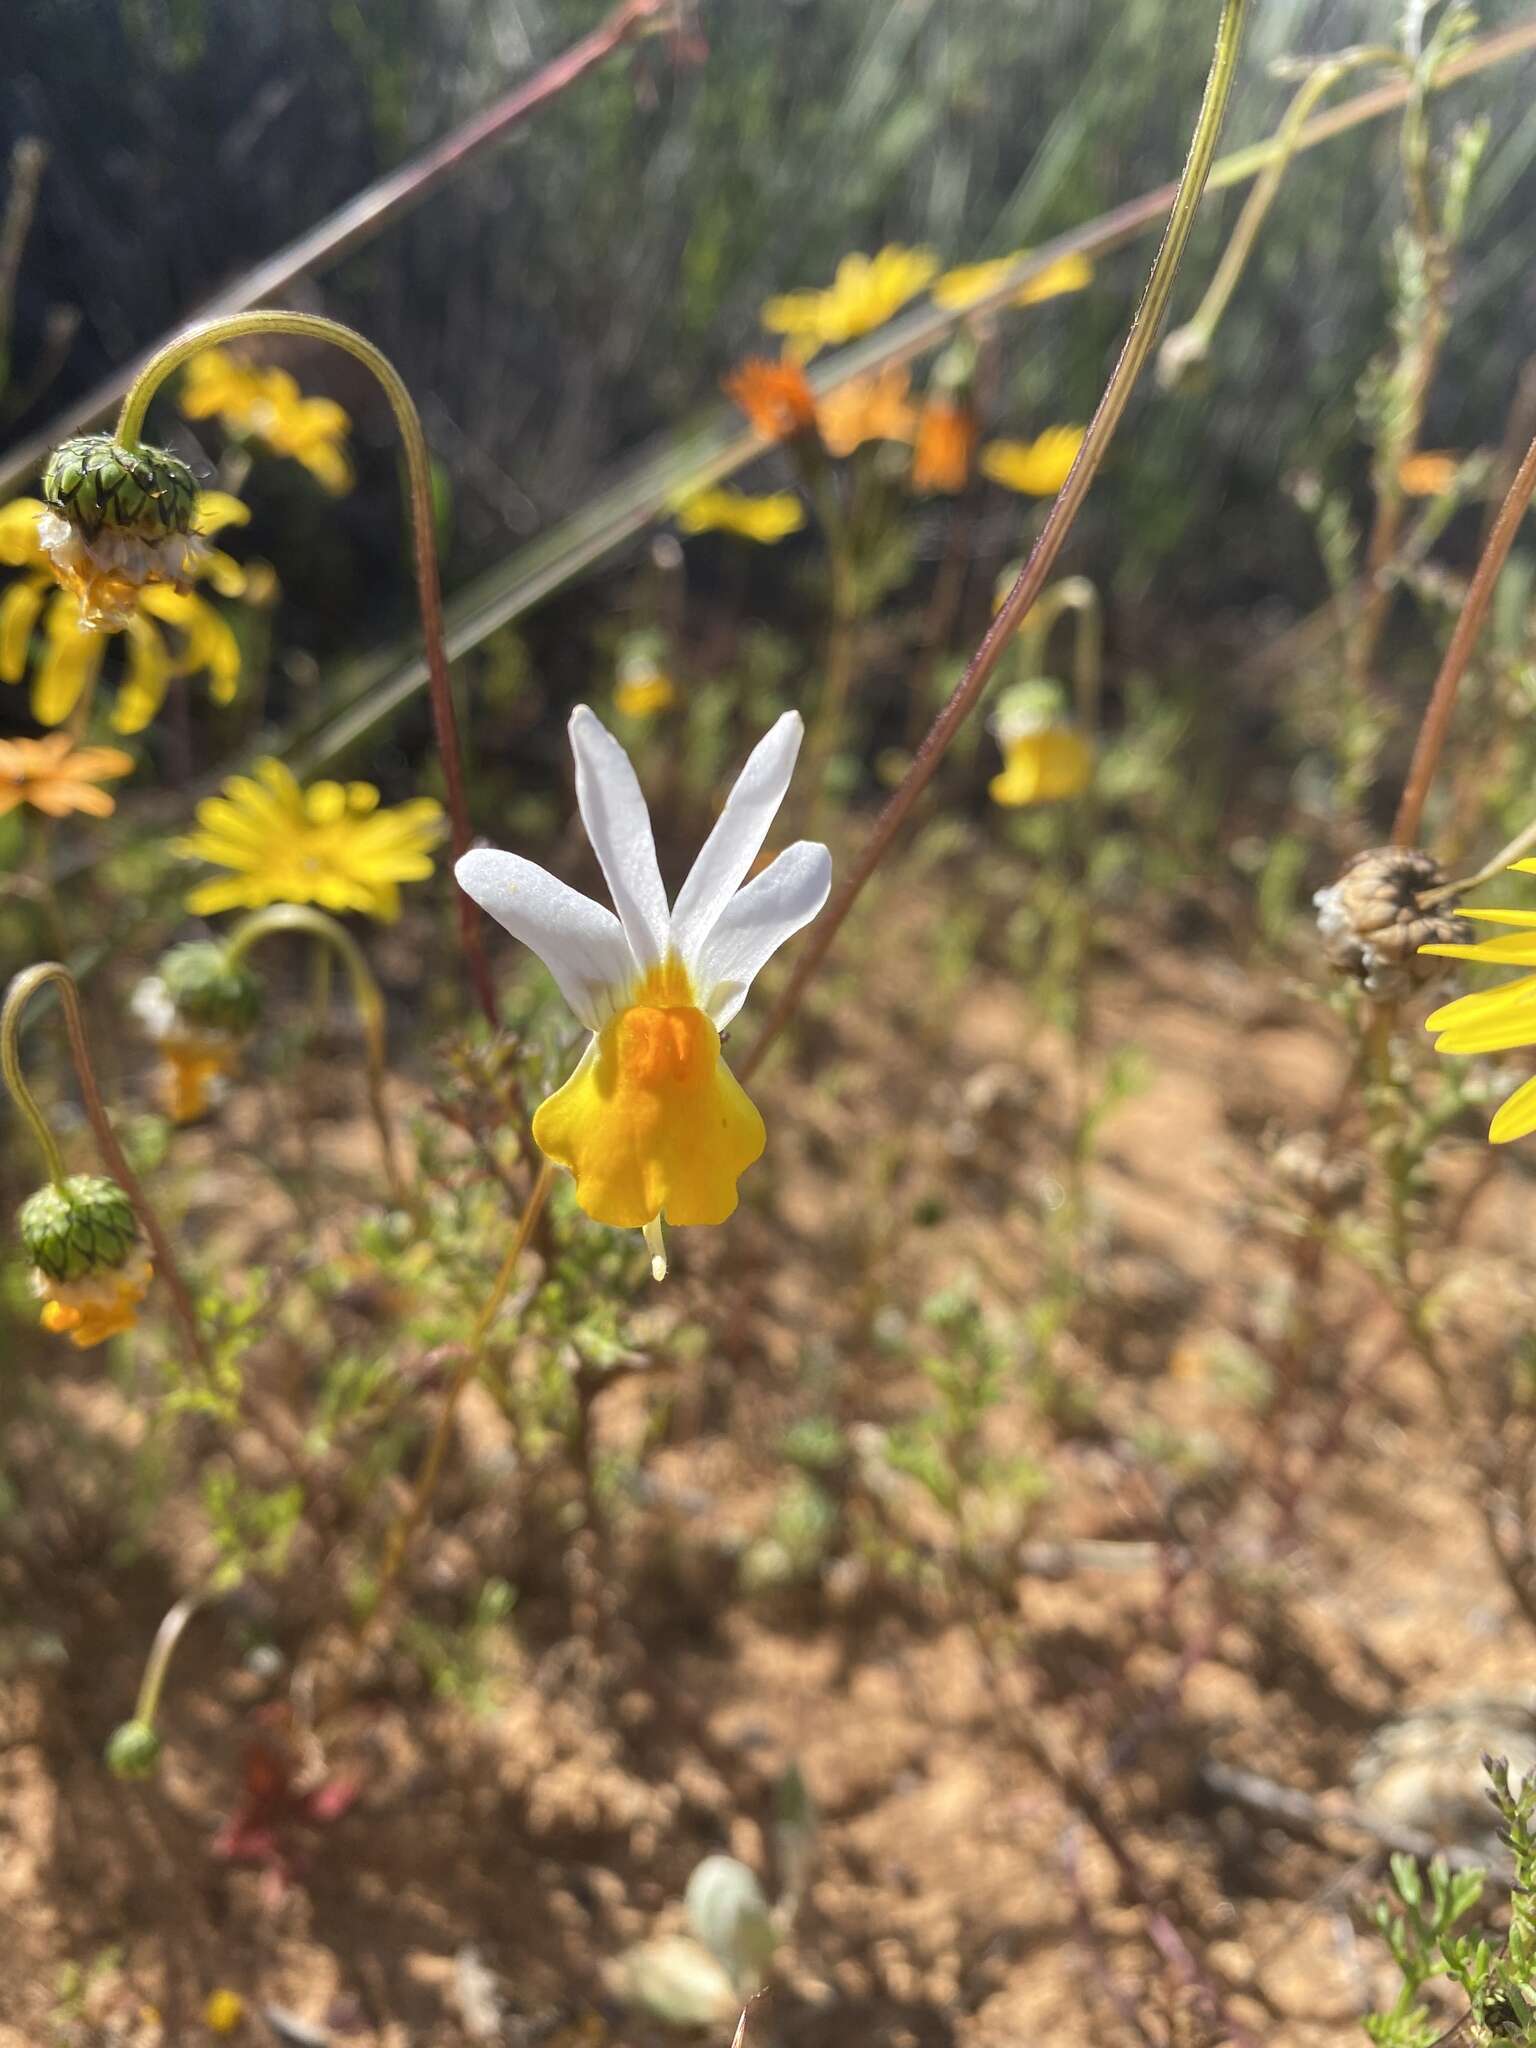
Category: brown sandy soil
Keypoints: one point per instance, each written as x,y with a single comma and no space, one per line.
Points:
648,1706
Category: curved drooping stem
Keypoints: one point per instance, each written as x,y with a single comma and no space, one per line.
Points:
1442,701
22,989
1036,570
1287,142
1074,594
161,1651
294,917
418,470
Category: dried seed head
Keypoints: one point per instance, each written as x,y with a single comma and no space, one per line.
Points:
86,1226
1327,1182
1372,925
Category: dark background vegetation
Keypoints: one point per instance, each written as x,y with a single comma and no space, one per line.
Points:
584,287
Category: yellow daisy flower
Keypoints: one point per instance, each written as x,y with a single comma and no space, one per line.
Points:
329,844
1499,1019
70,656
652,1123
720,510
1037,468
863,295
56,777
970,283
266,403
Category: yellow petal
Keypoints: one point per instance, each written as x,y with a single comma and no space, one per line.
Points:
1517,1117
70,663
18,615
148,677
20,547
653,1122
216,509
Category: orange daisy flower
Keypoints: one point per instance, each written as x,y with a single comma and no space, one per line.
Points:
56,777
874,408
774,396
946,441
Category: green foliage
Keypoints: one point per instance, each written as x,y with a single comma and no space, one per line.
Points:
1493,1970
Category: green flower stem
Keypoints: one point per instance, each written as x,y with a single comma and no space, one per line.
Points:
837,683
21,991
428,583
293,917
1077,595
1287,141
416,1508
1033,576
161,1651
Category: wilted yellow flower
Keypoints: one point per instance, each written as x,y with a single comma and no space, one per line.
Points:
1427,474
71,655
970,283
329,844
266,402
56,777
1496,1019
863,295
873,408
101,1305
725,511
1038,468
223,2011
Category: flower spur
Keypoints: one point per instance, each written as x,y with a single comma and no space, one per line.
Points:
652,1123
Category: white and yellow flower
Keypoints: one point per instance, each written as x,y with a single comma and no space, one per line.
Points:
652,1124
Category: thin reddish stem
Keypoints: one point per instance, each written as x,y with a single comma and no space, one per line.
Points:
1442,701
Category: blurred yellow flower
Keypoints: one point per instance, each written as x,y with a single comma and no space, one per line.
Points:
1038,468
970,283
223,2011
265,402
644,696
1427,474
725,511
329,844
1497,1019
874,408
1042,767
56,777
863,295
70,657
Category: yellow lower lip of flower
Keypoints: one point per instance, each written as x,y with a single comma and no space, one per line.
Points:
653,1122
1042,767
644,696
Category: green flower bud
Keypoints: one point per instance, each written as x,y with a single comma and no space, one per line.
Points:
210,989
1031,706
96,485
133,1750
82,1227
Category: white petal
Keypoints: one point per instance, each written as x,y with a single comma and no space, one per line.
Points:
772,908
728,853
582,944
619,827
